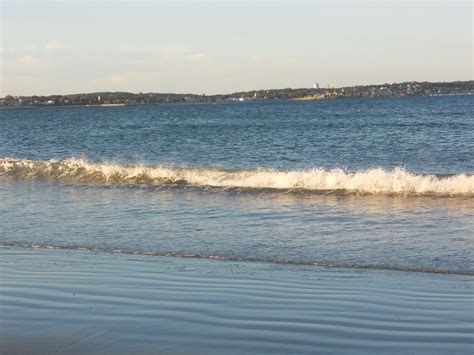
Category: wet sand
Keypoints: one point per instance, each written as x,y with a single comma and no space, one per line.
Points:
75,302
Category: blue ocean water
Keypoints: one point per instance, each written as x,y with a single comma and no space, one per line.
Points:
380,183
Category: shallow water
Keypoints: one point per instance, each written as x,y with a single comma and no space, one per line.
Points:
382,183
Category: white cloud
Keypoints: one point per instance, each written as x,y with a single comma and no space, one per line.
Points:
257,59
197,57
54,45
127,49
26,61
127,80
161,50
31,48
174,53
116,79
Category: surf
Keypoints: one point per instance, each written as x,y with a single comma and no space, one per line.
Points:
377,180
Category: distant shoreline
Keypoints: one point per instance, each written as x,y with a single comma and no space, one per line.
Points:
117,99
303,99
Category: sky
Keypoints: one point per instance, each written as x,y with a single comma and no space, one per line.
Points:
75,46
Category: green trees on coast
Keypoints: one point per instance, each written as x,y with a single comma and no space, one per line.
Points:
109,98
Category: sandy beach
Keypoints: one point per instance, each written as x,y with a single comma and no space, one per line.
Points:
73,302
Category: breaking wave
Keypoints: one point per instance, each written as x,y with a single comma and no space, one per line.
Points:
371,181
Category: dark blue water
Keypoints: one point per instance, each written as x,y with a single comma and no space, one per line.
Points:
423,134
247,181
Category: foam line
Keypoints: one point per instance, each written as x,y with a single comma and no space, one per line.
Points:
371,181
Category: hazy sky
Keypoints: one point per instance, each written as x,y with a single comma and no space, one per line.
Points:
61,47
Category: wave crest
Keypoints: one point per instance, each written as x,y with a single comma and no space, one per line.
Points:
371,181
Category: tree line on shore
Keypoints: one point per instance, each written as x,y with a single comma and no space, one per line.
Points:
385,90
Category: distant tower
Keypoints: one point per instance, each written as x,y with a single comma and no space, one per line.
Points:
316,86
98,98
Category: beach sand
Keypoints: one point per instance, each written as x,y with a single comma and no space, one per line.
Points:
77,302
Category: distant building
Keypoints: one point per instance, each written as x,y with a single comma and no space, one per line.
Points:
316,86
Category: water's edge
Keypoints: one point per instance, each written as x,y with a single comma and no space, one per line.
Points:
114,303
316,263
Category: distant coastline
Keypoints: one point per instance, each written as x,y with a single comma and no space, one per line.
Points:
117,99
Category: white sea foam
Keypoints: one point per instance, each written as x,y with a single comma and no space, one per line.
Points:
372,181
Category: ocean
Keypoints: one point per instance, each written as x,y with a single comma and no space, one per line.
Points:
362,183
337,226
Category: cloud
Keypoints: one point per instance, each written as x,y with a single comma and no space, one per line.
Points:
54,45
127,49
128,78
174,53
161,50
197,57
116,79
164,53
26,61
257,59
50,46
18,49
